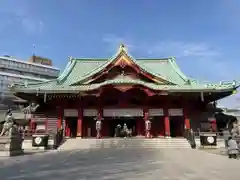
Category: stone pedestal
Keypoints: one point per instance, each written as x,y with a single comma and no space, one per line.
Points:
11,145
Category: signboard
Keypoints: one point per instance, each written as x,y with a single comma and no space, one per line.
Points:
175,112
41,60
40,127
70,113
90,112
205,126
123,112
208,139
155,112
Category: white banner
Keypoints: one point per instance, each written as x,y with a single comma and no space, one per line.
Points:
40,126
90,112
123,112
175,112
155,112
70,112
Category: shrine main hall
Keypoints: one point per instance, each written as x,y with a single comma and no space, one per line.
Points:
123,90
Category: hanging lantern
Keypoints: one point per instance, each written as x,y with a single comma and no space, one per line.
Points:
202,97
45,97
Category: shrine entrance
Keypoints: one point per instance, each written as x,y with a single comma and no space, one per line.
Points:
71,117
117,123
114,120
71,127
177,126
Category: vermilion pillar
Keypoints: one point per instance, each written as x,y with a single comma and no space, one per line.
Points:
186,119
166,122
79,123
213,124
60,116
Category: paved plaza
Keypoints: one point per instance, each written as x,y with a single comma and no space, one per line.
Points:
121,164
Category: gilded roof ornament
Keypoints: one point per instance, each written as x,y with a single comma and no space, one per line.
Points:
122,47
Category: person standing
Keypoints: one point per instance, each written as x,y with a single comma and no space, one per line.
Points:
232,148
125,129
118,130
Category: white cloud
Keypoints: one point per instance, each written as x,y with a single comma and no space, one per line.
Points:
32,25
202,55
20,14
114,41
163,48
182,49
228,13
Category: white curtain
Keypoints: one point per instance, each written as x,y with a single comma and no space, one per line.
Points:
123,112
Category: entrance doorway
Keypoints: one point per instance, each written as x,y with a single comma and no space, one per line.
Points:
177,126
113,122
157,128
89,127
71,127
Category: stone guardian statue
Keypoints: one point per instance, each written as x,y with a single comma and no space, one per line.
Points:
29,110
8,124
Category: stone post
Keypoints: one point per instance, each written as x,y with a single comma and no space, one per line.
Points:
11,145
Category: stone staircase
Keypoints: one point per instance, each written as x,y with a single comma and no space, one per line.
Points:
158,143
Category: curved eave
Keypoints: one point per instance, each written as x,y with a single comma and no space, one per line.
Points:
67,70
177,69
31,85
84,88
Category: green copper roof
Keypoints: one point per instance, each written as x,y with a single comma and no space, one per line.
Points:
80,71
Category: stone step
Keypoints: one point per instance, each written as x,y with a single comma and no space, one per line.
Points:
124,143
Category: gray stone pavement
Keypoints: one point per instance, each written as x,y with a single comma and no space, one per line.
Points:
121,164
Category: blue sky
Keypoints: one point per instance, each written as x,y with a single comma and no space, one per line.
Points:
203,35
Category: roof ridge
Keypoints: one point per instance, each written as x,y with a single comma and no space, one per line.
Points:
147,70
85,59
154,59
140,59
